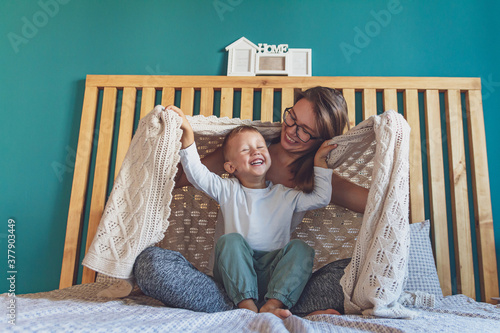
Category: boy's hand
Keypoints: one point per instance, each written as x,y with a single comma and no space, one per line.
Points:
185,124
187,138
322,153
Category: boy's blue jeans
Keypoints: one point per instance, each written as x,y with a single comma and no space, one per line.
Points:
246,273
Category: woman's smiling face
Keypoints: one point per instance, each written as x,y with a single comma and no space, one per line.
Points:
304,116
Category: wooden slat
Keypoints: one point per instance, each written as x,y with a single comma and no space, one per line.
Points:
79,189
287,100
102,171
168,96
147,100
255,82
246,103
417,205
187,101
126,126
482,197
226,102
459,194
350,98
390,99
437,189
369,86
207,101
266,108
369,103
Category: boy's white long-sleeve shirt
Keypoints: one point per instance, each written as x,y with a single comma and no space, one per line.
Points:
262,216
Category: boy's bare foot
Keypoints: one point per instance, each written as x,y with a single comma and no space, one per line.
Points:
327,311
275,307
248,304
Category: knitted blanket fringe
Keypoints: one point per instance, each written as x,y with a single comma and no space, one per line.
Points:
137,211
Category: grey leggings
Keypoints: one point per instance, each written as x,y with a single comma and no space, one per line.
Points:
167,276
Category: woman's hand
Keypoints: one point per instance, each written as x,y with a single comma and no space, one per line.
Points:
322,154
345,193
187,138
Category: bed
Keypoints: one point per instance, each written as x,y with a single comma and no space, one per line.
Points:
449,200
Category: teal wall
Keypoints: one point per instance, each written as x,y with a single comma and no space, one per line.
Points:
42,73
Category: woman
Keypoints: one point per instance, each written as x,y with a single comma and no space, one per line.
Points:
319,114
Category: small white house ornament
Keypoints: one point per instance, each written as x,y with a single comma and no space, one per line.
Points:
247,59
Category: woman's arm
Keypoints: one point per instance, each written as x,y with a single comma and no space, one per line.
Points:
344,192
348,194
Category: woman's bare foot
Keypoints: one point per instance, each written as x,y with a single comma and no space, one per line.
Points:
248,304
122,288
275,307
327,311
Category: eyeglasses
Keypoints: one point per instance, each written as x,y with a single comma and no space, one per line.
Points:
302,134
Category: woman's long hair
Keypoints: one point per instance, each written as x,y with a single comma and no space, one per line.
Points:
330,109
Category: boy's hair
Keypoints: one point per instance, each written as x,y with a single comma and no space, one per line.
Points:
233,133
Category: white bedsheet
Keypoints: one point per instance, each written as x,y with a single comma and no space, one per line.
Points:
77,309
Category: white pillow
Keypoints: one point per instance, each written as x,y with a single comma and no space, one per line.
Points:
422,273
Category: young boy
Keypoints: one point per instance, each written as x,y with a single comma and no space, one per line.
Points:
255,258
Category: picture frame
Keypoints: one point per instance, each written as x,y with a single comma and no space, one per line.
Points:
272,64
247,59
300,62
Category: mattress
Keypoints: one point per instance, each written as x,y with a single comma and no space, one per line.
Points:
78,309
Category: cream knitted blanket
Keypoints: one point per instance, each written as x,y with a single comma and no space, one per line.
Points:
137,212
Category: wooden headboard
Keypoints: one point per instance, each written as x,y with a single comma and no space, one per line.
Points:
448,161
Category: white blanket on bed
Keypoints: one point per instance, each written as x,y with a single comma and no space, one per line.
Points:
78,309
136,214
